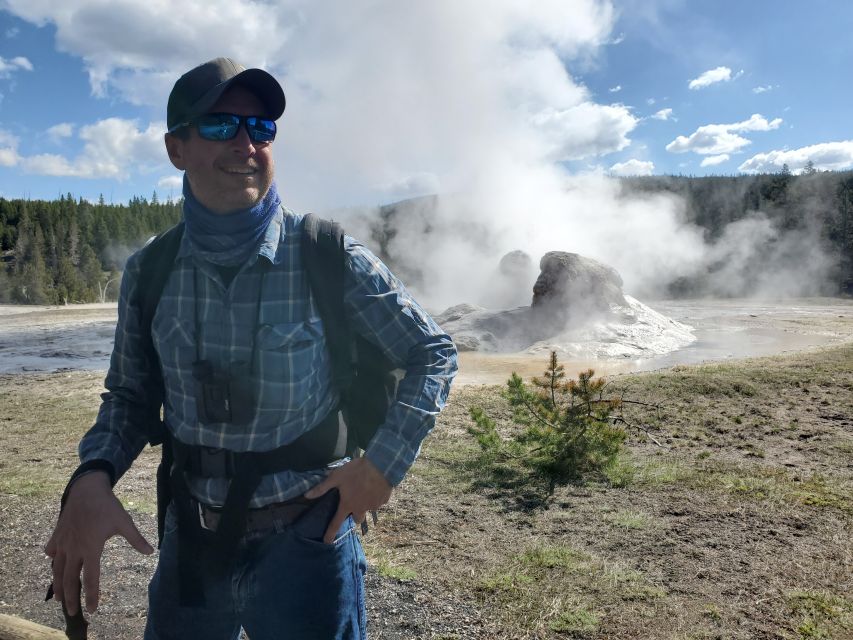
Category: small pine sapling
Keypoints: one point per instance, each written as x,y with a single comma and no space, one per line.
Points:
569,429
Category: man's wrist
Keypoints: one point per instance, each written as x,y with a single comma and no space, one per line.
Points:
87,468
90,472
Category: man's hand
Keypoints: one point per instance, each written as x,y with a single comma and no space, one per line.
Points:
362,487
91,516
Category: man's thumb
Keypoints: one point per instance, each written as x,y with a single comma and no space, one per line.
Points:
130,533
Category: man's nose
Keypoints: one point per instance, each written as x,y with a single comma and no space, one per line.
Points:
242,143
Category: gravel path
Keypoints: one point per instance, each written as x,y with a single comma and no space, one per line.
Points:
397,610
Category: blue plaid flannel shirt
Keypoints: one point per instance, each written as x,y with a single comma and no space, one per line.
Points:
292,364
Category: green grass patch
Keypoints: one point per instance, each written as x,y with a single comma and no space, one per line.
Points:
578,619
631,519
751,482
41,424
821,615
386,565
21,481
404,574
137,505
540,588
550,557
659,473
622,473
514,582
712,612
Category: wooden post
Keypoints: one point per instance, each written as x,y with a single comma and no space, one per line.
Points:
12,628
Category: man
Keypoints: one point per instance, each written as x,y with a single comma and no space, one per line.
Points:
247,375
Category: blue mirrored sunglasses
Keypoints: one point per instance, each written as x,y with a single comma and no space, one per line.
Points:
224,126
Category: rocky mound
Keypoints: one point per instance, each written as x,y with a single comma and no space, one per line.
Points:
578,308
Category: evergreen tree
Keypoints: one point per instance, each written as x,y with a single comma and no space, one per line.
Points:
568,431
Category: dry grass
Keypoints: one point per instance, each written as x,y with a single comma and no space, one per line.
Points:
739,526
748,501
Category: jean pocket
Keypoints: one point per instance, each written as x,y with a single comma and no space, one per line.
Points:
317,543
170,525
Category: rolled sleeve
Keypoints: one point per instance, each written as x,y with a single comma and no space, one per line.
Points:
382,311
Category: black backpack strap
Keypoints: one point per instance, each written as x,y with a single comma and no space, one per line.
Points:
158,258
324,258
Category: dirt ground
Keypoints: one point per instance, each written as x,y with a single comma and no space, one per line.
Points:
730,516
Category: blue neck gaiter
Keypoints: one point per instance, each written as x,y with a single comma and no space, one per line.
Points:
228,239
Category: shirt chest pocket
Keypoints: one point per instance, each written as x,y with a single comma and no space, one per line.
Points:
289,358
175,343
288,336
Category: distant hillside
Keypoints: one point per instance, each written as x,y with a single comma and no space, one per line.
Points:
802,219
70,250
817,205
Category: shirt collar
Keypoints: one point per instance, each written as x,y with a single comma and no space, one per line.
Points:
272,238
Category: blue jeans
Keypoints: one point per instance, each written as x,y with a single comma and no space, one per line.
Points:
281,586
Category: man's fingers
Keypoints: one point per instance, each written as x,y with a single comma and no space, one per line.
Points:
58,568
71,586
92,582
320,489
130,533
50,547
334,525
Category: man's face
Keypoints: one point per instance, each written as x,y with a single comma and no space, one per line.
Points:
226,175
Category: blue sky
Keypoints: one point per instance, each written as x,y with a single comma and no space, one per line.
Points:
387,102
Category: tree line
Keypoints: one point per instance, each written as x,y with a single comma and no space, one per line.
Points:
67,250
820,202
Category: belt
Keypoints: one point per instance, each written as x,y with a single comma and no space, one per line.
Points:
261,519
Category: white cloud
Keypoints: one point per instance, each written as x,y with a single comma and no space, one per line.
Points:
113,147
131,42
712,161
650,101
762,89
50,164
615,89
8,157
12,32
22,63
131,48
715,139
59,131
8,67
826,156
412,185
633,168
467,81
585,130
174,183
713,76
8,149
663,114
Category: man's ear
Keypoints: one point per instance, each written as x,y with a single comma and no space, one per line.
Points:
175,149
